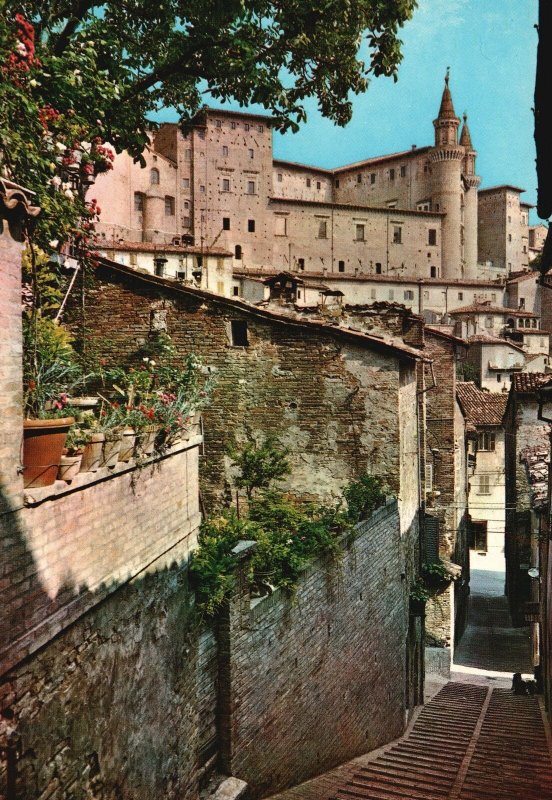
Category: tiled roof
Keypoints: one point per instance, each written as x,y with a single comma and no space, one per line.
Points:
159,247
536,460
374,278
482,308
480,338
528,382
522,277
397,212
414,151
501,187
481,408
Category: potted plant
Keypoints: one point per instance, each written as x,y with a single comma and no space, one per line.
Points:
72,455
436,575
50,372
419,595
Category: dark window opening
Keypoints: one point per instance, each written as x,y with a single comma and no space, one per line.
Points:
238,329
378,268
478,536
433,272
238,251
373,177
359,178
251,225
391,174
403,172
432,236
301,263
226,223
337,183
341,266
236,291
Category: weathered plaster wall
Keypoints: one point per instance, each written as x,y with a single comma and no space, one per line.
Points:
319,678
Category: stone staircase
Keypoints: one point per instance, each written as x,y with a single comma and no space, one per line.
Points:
468,743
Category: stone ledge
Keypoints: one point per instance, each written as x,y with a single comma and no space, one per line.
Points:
39,495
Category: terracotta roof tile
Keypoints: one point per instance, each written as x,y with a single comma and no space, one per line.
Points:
528,382
482,308
481,408
537,460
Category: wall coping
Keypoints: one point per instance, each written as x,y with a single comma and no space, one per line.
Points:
39,495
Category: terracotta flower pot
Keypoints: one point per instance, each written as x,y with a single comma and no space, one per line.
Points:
69,467
110,452
92,453
43,442
128,440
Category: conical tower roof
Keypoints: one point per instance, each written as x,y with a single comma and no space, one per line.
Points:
446,111
465,137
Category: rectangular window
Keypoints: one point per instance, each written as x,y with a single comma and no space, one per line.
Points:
224,150
280,226
397,234
391,174
138,201
169,206
460,295
391,294
238,330
251,153
236,291
493,297
186,222
403,172
341,266
251,226
323,229
301,263
219,123
260,128
489,322
246,126
202,189
132,259
185,183
226,184
250,187
360,233
373,177
478,536
432,236
226,223
318,185
233,125
337,183
309,182
280,177
484,485
378,268
359,178
486,441
409,294
186,204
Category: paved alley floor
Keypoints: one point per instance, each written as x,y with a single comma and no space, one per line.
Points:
474,739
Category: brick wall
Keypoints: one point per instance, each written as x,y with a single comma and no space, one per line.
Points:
318,678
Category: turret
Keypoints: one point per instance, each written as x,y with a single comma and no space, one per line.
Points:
447,159
471,182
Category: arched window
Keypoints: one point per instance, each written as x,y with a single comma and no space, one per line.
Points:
154,176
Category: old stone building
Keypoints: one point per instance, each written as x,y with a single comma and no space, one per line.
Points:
413,213
503,232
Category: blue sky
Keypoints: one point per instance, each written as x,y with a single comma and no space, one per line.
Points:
490,46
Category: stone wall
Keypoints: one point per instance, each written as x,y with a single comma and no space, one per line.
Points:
318,678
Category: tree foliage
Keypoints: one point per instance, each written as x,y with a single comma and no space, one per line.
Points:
79,71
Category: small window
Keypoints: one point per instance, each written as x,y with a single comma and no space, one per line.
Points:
298,294
246,126
409,294
250,187
509,237
251,226
323,229
498,377
337,183
360,233
260,128
378,268
132,259
169,206
433,272
341,266
524,248
154,177
484,485
432,237
224,150
373,177
226,223
280,226
251,153
226,184
185,183
318,185
486,440
397,234
301,263
186,204
238,329
403,172
202,189
426,295
309,182
280,178
219,123
521,302
460,295
138,201
233,125
188,155
489,322
493,297
238,252
391,174
391,294
359,178
236,291
372,294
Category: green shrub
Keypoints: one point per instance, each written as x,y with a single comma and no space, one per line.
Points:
363,496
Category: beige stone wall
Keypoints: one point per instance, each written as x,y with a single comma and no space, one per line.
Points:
503,229
297,182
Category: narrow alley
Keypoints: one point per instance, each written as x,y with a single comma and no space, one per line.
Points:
498,746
